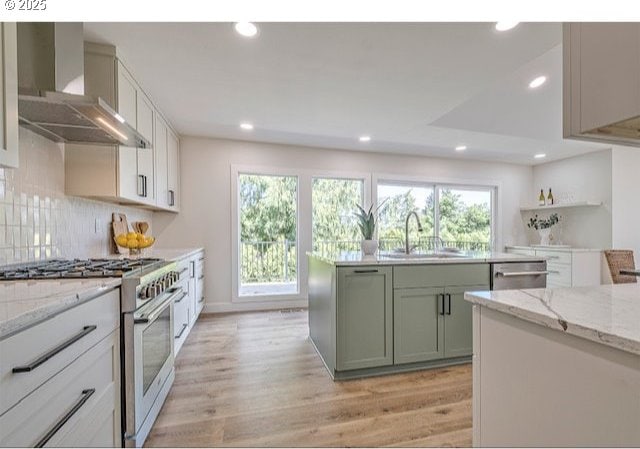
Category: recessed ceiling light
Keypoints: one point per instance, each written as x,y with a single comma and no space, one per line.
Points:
537,82
461,147
246,29
364,138
540,156
506,25
246,126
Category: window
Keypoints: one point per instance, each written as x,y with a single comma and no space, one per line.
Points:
459,215
334,226
268,258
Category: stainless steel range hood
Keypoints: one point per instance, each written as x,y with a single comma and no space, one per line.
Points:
51,100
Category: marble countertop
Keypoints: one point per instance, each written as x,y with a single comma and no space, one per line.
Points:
607,314
25,303
554,248
355,258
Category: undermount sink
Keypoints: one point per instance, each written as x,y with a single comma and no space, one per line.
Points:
421,255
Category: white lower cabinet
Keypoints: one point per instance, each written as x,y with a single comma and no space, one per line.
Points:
567,267
77,402
187,310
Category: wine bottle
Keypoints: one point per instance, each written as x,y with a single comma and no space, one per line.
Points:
541,200
550,198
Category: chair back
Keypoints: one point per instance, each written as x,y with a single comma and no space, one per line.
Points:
620,259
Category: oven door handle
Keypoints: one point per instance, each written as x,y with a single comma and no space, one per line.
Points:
520,273
149,318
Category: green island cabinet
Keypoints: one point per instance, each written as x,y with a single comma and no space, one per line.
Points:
376,319
364,318
431,319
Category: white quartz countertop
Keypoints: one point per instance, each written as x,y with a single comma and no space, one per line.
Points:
355,258
25,303
555,248
607,314
172,254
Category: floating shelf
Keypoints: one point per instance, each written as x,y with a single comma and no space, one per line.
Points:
563,206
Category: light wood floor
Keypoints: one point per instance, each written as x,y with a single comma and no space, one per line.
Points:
254,379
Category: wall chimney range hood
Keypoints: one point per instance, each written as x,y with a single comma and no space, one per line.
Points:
51,100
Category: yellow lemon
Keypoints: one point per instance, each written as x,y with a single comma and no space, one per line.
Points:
121,240
140,237
131,235
132,243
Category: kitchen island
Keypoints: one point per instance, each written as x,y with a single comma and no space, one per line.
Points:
394,313
557,367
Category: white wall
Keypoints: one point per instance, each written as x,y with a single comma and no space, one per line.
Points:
205,216
626,199
586,178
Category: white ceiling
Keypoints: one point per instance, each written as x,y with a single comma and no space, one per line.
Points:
419,88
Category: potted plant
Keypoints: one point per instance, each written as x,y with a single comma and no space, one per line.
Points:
543,226
367,224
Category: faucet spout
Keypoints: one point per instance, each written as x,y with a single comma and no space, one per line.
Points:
407,247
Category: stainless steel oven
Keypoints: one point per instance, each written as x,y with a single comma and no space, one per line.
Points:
148,353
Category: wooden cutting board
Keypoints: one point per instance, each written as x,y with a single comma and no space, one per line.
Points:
119,225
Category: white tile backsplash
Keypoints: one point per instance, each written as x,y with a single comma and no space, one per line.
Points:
38,221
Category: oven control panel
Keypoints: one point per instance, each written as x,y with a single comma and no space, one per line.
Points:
158,286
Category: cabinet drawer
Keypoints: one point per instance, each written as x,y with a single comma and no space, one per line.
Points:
82,327
559,275
555,256
418,276
69,399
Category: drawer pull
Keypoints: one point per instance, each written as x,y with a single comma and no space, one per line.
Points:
201,277
86,394
440,304
183,270
554,272
448,310
201,298
365,271
181,298
201,259
520,273
184,328
61,347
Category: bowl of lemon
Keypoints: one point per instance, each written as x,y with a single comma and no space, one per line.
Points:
135,242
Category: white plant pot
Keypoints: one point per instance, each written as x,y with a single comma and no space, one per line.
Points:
545,236
369,247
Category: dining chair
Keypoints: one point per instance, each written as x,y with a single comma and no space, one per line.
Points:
620,259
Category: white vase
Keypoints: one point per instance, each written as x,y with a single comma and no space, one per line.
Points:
369,247
545,236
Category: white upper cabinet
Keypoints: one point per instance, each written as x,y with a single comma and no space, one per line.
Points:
601,72
133,175
8,95
173,181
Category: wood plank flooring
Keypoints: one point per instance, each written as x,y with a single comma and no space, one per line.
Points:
255,380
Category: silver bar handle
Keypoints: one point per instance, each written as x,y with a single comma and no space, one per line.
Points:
158,310
520,273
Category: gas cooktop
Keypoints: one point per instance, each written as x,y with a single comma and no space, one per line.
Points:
75,268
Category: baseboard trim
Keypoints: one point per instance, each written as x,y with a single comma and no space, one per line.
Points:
254,306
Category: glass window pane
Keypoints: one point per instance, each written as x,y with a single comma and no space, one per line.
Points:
334,226
465,218
268,233
400,199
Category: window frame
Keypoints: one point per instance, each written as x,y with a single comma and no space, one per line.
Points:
493,186
304,225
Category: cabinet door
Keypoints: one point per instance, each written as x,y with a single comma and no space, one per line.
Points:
127,96
146,174
144,117
8,95
173,169
162,173
365,318
418,324
458,335
129,183
609,73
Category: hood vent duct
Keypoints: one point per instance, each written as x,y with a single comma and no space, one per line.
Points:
51,100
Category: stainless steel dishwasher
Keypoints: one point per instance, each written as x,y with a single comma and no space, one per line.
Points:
518,275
